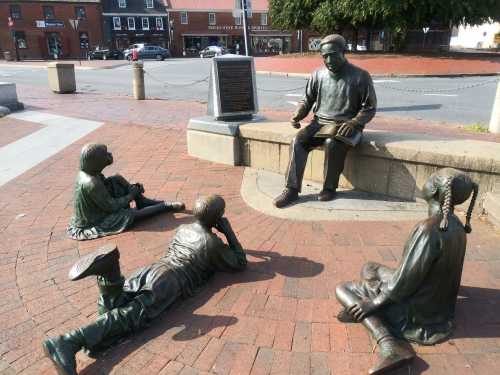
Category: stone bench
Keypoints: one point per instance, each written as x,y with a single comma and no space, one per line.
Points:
393,164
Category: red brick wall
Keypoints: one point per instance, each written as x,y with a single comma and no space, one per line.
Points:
36,37
225,25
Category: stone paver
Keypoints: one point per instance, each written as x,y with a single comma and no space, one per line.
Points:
276,317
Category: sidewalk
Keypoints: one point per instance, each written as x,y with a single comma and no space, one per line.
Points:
276,317
388,65
79,64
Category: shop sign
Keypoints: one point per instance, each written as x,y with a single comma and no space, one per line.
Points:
497,38
49,23
238,27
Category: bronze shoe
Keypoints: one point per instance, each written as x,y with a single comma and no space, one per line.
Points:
62,354
393,355
326,195
288,196
102,262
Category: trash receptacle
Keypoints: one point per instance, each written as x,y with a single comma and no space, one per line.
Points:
7,56
62,77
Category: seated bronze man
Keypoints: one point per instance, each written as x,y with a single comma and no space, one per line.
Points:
343,100
128,305
416,301
102,204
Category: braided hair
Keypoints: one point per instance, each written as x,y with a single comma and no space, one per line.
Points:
455,188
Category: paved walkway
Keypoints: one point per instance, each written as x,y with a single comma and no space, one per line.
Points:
389,65
276,317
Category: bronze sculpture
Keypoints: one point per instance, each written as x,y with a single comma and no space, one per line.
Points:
416,301
128,305
102,204
343,100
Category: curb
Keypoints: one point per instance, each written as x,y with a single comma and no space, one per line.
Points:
409,75
77,67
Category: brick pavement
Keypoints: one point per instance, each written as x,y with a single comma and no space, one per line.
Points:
276,317
387,64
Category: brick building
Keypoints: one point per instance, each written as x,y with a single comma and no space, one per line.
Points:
36,29
196,24
134,21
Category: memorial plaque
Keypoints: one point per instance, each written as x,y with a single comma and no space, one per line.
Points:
232,91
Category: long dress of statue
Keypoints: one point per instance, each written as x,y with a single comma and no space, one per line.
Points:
416,301
128,305
102,204
343,101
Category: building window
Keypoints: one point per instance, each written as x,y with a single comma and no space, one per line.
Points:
117,23
145,23
80,13
149,3
211,18
184,18
237,21
21,39
131,23
263,19
48,13
84,40
15,12
122,3
159,23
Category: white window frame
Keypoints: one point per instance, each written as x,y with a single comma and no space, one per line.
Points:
147,22
263,19
122,3
212,20
131,25
184,18
150,4
237,21
119,23
159,23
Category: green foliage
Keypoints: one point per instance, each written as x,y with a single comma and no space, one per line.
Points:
327,16
477,128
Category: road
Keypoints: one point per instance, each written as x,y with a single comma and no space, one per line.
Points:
462,100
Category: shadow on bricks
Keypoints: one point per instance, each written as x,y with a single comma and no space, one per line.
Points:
183,323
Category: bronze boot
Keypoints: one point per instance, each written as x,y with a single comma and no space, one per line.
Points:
102,262
288,196
393,355
61,351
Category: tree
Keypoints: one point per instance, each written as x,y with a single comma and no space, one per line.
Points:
292,14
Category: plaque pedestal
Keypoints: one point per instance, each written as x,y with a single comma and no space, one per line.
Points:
214,140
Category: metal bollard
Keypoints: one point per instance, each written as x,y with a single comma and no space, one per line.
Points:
138,83
495,114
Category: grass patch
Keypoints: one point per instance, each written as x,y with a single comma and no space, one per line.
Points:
477,128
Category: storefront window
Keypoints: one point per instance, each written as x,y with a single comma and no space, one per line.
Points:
84,40
159,23
15,12
263,19
131,23
117,23
21,39
145,23
48,12
80,13
271,44
211,18
184,18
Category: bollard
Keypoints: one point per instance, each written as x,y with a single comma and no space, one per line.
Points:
61,77
138,83
495,115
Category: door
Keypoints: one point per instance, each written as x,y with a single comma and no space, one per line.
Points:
54,45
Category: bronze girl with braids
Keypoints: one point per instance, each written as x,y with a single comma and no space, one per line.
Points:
416,301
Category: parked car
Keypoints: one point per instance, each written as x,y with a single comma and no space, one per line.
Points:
147,51
212,51
105,54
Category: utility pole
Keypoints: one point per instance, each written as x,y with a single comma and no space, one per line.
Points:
245,23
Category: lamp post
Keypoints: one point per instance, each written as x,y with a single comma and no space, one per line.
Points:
75,23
